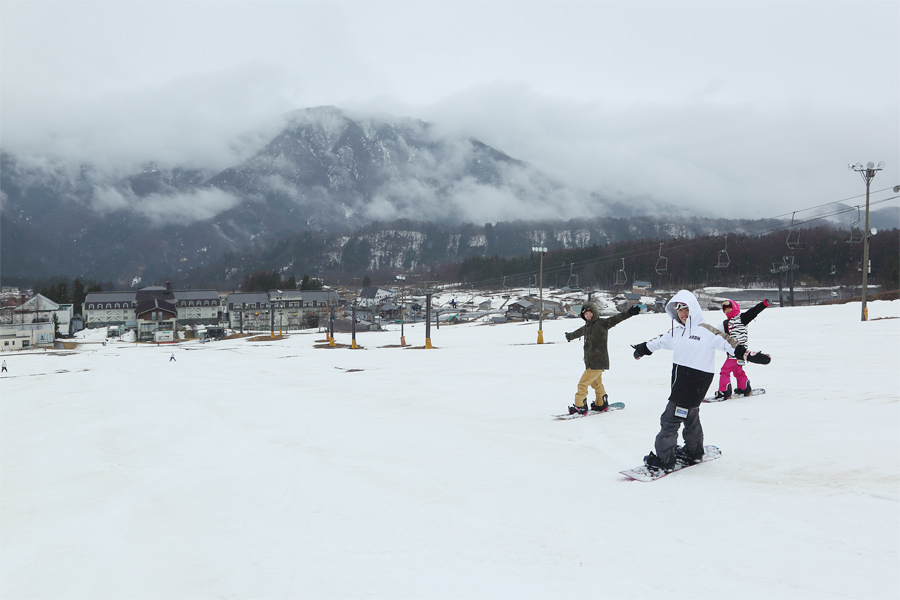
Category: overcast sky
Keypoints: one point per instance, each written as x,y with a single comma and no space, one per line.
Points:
742,108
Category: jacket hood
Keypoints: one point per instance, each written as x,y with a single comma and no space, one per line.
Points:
591,307
734,311
696,317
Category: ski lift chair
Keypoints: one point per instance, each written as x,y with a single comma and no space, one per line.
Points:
621,276
856,234
662,263
793,238
724,259
571,275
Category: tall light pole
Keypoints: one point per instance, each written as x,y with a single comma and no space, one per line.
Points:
542,250
402,280
867,173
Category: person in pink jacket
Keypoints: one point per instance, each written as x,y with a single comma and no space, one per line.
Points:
735,325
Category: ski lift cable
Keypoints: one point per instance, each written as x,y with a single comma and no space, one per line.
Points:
649,250
843,200
646,251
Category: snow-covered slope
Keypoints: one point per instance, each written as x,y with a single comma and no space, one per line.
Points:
279,469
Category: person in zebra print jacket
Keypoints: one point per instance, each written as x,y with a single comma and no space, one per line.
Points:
735,325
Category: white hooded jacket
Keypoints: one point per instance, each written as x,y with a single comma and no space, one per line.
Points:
693,344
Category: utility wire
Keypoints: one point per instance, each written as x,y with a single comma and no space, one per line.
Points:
634,253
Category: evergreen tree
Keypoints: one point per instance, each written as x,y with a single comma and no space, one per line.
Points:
310,284
890,278
62,293
78,295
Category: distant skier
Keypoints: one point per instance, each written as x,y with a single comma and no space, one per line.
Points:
736,326
171,358
3,370
693,367
596,356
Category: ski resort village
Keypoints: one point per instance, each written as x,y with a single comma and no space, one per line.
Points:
160,314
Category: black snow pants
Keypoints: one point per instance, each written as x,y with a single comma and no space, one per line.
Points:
688,388
667,438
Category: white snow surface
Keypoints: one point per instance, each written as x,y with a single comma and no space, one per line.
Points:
276,469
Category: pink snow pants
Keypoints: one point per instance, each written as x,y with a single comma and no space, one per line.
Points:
731,366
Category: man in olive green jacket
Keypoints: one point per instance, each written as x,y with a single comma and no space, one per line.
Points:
596,356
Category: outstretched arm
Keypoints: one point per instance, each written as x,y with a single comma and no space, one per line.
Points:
660,342
753,312
614,320
575,334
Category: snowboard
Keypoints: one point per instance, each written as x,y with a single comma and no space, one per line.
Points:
612,406
644,473
753,392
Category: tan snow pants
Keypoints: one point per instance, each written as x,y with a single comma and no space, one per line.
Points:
592,378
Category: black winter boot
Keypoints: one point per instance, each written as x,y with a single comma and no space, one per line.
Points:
743,392
684,456
653,462
724,395
603,406
581,410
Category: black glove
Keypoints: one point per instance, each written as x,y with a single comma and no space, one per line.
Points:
568,337
641,350
741,353
759,358
634,310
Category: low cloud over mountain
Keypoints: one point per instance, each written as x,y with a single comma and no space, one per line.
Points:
326,170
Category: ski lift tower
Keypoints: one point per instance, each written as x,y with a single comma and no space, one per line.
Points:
868,173
787,265
542,250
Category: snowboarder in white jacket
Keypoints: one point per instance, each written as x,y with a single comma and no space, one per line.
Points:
693,344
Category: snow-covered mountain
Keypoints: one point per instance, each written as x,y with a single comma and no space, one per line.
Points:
327,170
330,170
332,188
